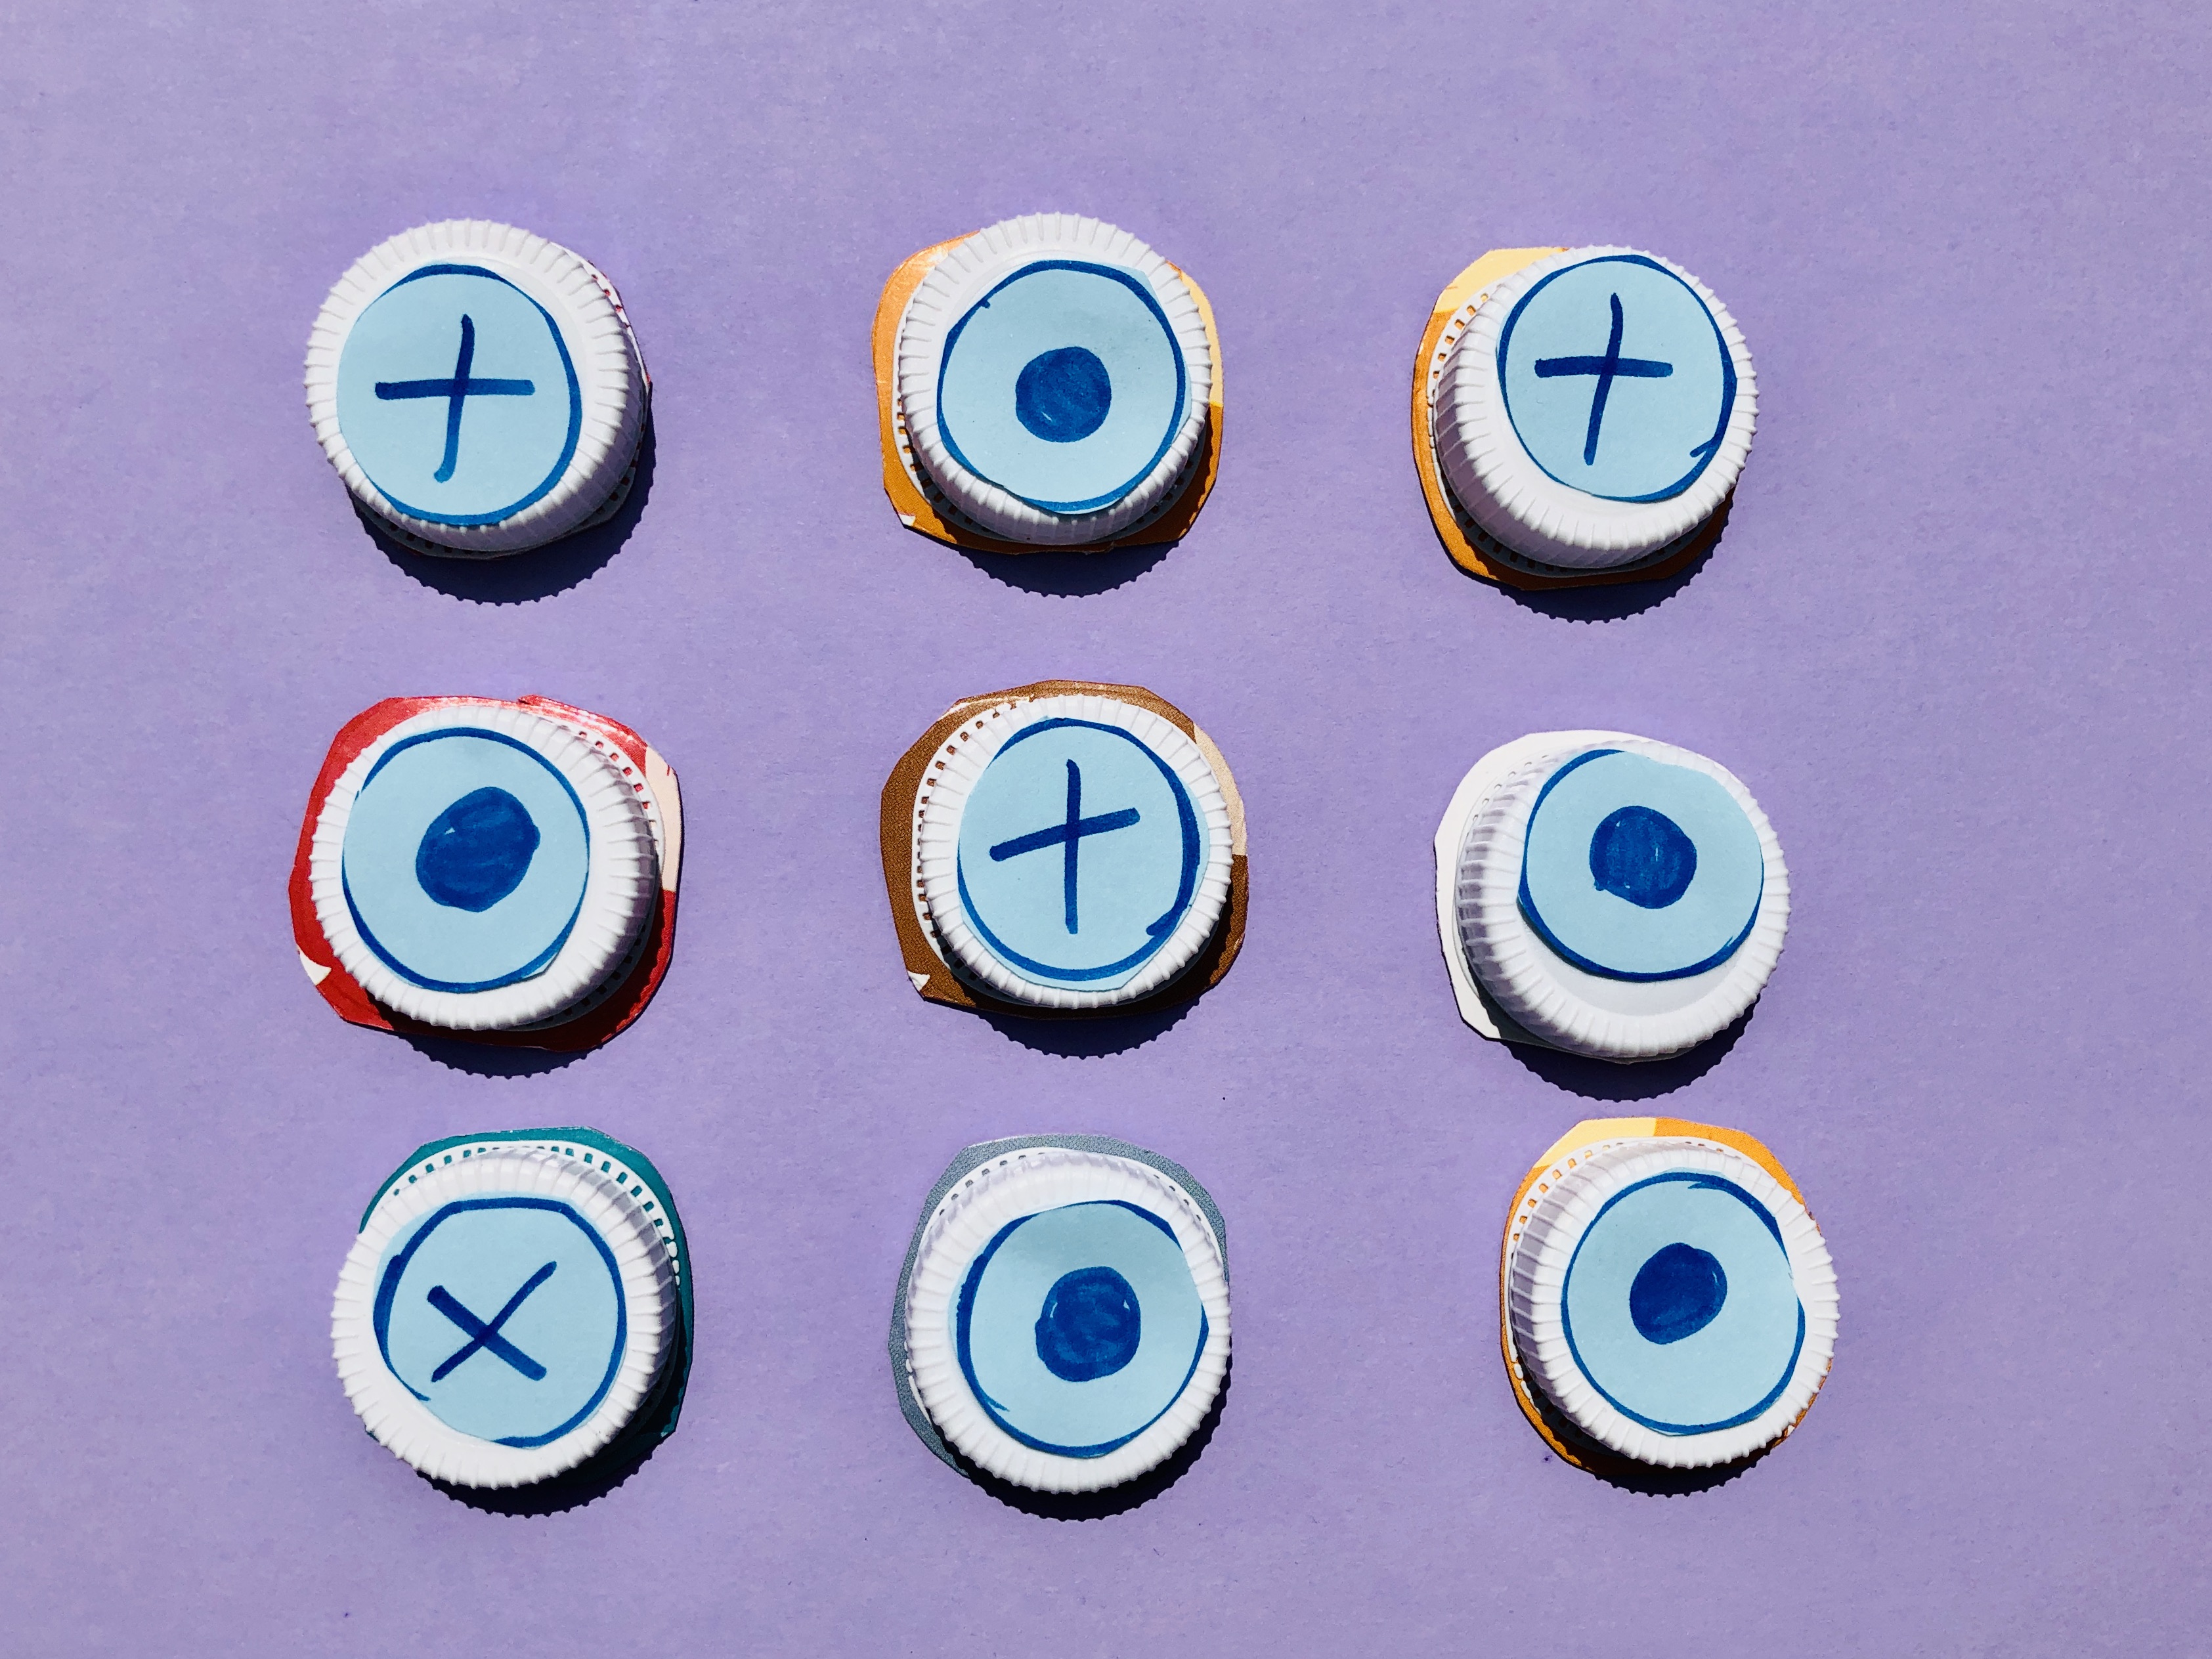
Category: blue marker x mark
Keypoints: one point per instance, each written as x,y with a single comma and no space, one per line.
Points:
1067,836
1611,367
487,1337
460,388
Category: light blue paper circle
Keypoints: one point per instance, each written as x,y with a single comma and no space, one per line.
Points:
1616,379
1735,1365
457,395
1018,405
1004,1294
504,1315
444,946
1079,851
1602,933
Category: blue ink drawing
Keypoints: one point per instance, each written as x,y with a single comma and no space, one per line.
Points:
1124,880
1091,1325
1078,1327
1065,386
1640,870
1678,362
1611,367
1067,836
1639,853
558,1335
1683,1338
1063,396
1678,1291
484,1336
457,388
476,851
465,888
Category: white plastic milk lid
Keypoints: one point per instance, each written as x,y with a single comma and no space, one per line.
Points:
1672,1299
477,387
1053,375
504,1313
481,867
1068,1318
1599,405
1073,851
1647,912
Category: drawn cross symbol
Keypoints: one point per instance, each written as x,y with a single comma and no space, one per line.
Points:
1608,368
457,390
1068,836
487,1336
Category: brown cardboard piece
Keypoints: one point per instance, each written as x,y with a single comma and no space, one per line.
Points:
901,820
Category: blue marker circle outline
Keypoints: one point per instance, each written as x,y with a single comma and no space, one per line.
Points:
387,1290
575,408
1529,914
1175,349
539,964
964,1315
1567,1325
1704,452
1162,930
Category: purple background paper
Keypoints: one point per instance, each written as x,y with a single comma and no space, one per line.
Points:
1954,639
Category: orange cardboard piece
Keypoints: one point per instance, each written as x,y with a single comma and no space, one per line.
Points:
902,475
606,1016
901,821
1561,1435
1461,538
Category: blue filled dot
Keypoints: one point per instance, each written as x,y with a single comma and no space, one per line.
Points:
1677,1294
476,851
1091,1325
1062,396
1642,856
